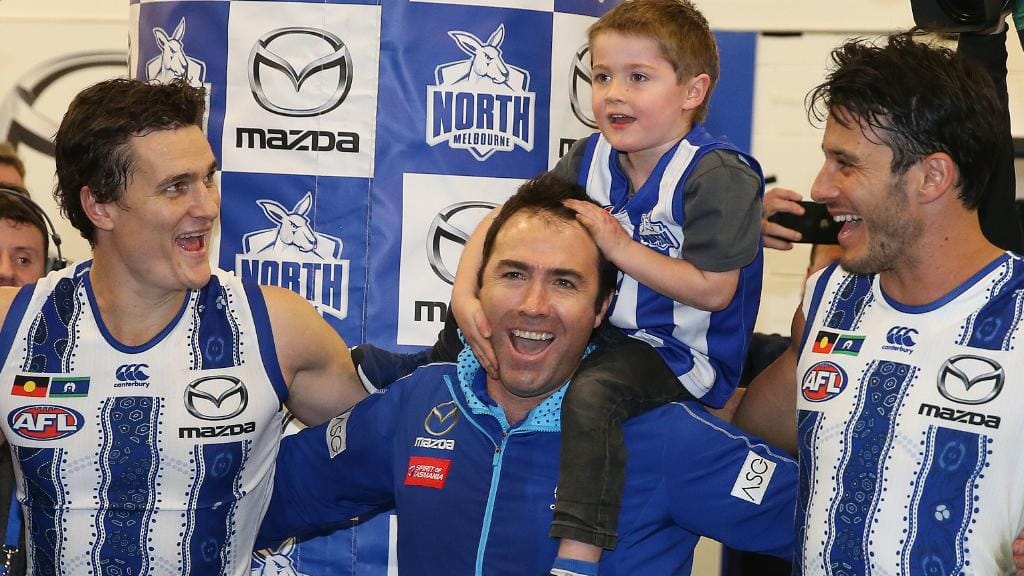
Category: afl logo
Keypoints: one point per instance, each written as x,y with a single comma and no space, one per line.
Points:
823,381
45,422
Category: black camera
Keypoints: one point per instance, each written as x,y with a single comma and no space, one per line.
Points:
958,15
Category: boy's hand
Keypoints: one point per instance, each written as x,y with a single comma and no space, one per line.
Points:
1018,553
477,331
776,235
606,231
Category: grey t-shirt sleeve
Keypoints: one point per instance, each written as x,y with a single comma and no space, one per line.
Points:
722,230
568,166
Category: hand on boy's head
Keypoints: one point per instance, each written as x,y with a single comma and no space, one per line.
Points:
780,200
606,231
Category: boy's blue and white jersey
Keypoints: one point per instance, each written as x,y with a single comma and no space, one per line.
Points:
910,426
153,459
704,349
475,496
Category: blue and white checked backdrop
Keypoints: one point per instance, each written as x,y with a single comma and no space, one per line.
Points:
361,142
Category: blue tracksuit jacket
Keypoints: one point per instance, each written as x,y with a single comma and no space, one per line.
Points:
475,496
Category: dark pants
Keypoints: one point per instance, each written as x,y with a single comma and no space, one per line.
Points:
623,378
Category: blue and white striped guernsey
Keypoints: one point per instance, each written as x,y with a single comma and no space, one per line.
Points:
910,427
705,350
155,459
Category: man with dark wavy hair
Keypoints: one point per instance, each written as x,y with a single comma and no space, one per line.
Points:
899,395
469,459
144,412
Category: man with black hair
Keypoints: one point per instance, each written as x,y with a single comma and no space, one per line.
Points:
144,408
897,395
469,459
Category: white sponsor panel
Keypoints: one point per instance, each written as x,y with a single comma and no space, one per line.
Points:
302,83
753,480
439,213
572,116
541,5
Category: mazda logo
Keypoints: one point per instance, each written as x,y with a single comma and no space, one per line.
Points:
274,50
441,419
216,397
22,119
968,379
580,87
447,225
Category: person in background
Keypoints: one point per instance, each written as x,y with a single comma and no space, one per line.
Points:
12,169
22,261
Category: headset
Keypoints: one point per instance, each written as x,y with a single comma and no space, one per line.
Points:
43,222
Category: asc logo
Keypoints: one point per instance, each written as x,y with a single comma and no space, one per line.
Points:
481,104
294,256
45,422
823,381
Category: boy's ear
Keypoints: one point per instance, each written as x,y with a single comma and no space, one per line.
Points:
696,91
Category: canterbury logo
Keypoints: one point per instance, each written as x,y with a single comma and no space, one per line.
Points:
132,373
901,336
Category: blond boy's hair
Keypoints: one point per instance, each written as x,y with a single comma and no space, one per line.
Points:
679,29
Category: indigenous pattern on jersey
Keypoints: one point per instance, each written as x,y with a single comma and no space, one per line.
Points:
910,427
704,349
152,459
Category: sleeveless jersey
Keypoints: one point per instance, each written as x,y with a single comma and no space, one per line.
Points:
146,460
705,350
910,427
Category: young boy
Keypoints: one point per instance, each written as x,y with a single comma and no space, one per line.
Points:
681,220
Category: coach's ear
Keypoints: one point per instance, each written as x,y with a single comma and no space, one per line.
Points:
97,212
939,176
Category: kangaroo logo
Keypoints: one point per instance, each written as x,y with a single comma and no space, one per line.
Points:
293,236
482,103
656,235
173,63
276,562
293,255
